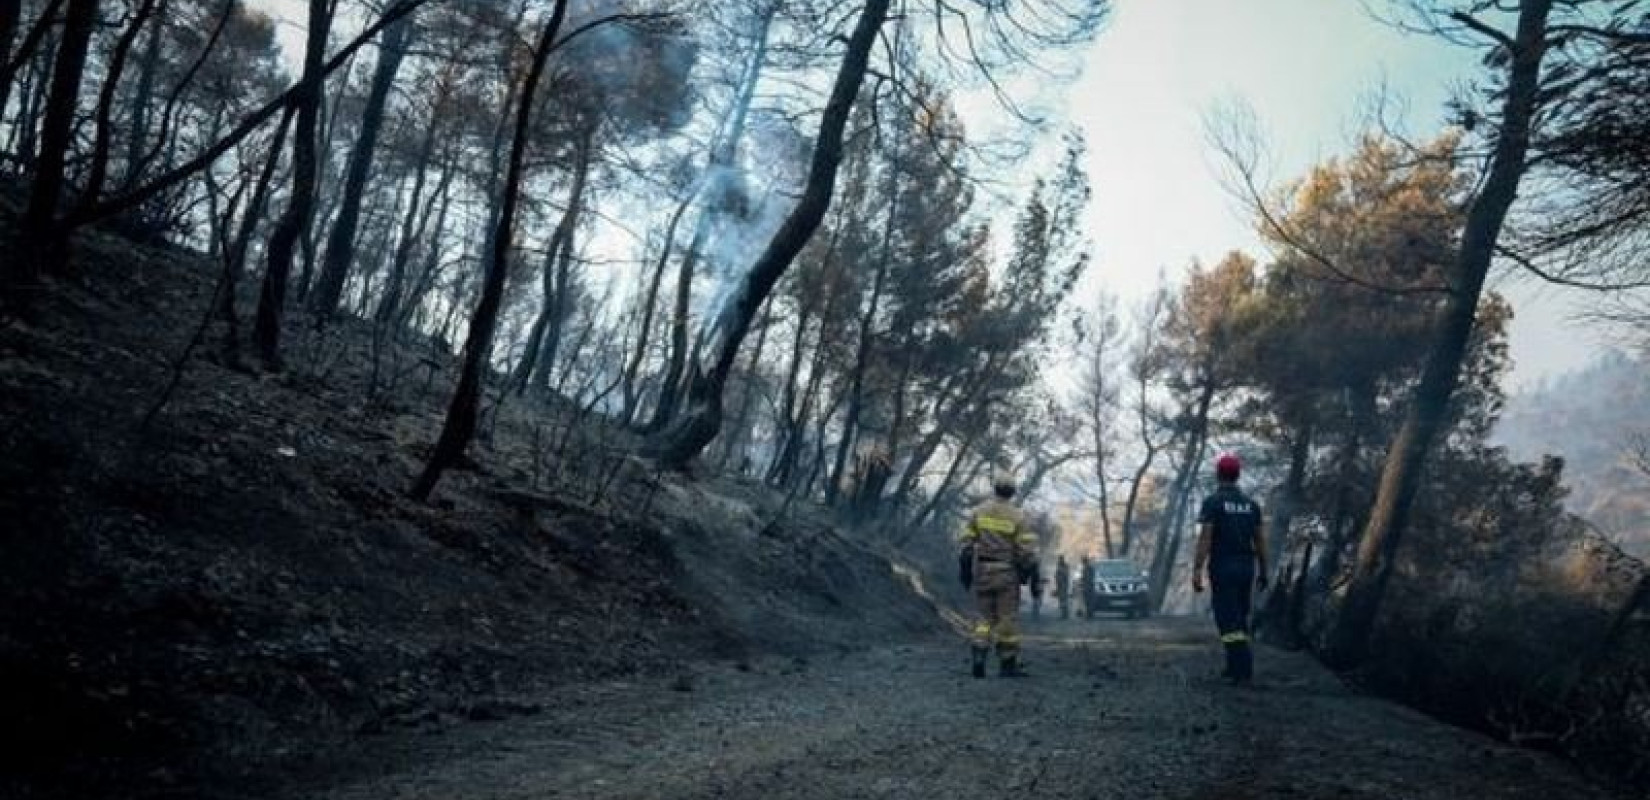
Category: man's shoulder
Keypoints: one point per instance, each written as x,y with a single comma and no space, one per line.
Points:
997,509
1237,500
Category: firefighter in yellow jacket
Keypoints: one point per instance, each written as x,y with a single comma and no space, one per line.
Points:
999,553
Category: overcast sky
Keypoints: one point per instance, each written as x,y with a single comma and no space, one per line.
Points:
1304,66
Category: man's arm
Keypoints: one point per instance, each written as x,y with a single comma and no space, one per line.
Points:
1025,550
1205,541
1263,559
965,553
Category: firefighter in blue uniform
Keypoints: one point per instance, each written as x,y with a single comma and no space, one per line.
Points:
1231,549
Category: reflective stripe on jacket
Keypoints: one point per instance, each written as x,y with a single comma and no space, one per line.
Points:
998,532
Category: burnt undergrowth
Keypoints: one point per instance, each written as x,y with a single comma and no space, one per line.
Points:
214,579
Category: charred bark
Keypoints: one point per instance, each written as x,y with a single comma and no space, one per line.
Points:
1172,529
714,192
395,278
460,426
104,130
235,257
266,331
13,61
701,422
44,240
650,302
292,97
1429,407
340,252
734,443
544,340
862,349
142,98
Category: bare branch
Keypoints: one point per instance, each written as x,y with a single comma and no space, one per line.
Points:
1528,264
1232,135
1638,452
1605,34
1479,26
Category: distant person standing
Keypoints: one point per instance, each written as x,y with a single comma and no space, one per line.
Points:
1062,586
1036,581
999,553
1232,548
1084,568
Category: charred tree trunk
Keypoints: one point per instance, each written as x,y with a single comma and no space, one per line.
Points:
943,491
1283,512
143,97
793,374
544,340
430,270
734,442
1170,556
791,424
1133,498
36,88
670,388
292,97
44,241
783,472
946,418
650,303
325,202
381,225
1172,529
862,349
1343,521
11,11
561,304
1401,476
700,424
713,190
11,62
1143,410
140,156
1103,483
340,252
395,279
817,465
1282,609
104,130
460,426
235,258
266,331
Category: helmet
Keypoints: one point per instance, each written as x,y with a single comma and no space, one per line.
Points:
1228,467
1003,483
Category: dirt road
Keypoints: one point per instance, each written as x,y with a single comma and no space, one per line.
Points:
1115,709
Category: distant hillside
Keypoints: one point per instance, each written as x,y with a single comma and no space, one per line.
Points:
1591,417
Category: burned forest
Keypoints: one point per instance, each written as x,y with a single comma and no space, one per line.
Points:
712,398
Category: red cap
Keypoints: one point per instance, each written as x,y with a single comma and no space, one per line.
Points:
1227,467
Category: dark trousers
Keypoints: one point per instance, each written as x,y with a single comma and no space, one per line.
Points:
1231,582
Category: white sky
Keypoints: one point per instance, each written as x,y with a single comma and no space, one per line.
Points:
1304,66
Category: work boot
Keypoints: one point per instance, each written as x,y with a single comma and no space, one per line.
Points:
979,662
1011,668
